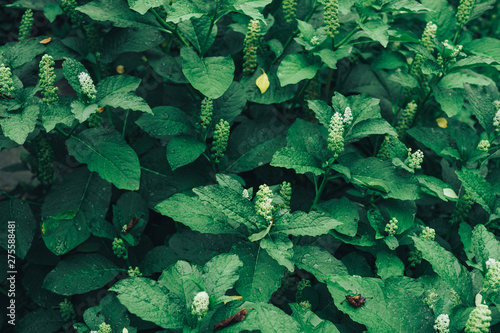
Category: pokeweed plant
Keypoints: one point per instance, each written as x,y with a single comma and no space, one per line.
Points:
250,165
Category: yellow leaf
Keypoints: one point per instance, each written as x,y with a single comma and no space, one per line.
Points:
46,41
442,122
262,82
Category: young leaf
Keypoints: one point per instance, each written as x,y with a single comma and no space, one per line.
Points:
318,262
183,150
310,322
220,274
107,153
17,126
280,249
127,101
79,274
295,68
389,265
211,76
116,84
151,301
167,120
305,224
183,279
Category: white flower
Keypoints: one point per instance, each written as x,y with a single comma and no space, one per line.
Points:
496,121
490,262
347,116
442,323
245,194
200,304
87,85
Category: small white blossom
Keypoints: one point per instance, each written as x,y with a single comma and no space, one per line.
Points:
87,85
315,41
442,323
484,145
414,161
496,121
200,304
490,262
264,204
245,194
347,116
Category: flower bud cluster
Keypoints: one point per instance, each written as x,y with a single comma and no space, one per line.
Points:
428,34
479,320
484,145
45,159
286,194
250,47
331,17
431,298
6,81
200,304
450,52
462,208
414,160
135,272
464,11
105,328
496,121
264,203
69,7
87,85
67,311
347,116
47,80
245,194
207,109
442,324
221,135
428,233
336,134
392,226
406,119
492,277
119,248
290,10
26,25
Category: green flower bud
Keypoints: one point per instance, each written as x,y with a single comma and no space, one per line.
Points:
336,134
6,81
484,145
47,80
496,121
26,25
428,233
428,34
479,320
67,311
119,248
414,161
221,135
290,10
415,258
105,328
392,226
286,194
406,119
306,305
442,324
492,277
95,120
207,109
200,305
462,208
69,7
431,298
331,17
45,159
464,11
264,203
134,272
250,47
87,85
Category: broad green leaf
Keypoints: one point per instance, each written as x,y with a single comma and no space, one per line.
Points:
389,265
330,57
51,10
295,68
82,111
211,76
447,266
383,177
457,80
109,310
487,47
220,274
118,41
117,84
118,12
377,222
229,105
376,29
310,322
450,100
183,150
183,10
252,8
79,274
384,313
318,262
322,111
405,5
473,61
167,120
305,224
280,248
369,127
157,260
436,139
17,126
482,105
131,205
57,114
298,160
142,6
478,187
196,31
196,214
404,212
404,79
232,204
33,321
151,301
274,94
18,54
107,153
363,107
343,210
127,101
83,192
260,275
21,228
183,279
72,68
484,245
262,317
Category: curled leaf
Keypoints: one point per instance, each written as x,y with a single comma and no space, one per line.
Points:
262,82
46,41
442,122
236,318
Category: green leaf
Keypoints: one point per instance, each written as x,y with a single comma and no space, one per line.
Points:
385,313
389,265
82,111
377,222
310,322
450,100
484,245
220,274
280,249
22,226
107,153
229,105
211,76
295,68
51,10
183,150
318,262
167,120
330,57
183,10
41,320
118,12
404,79
17,54
478,187
260,275
457,80
110,311
376,29
196,31
157,260
17,126
127,101
142,6
57,114
305,224
80,273
150,301
183,279
117,84
447,267
131,205
80,191
322,111
119,41
436,139
369,127
487,47
274,94
342,210
404,212
71,69
252,8
483,107
196,214
383,177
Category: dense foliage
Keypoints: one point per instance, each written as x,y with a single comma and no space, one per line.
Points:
252,165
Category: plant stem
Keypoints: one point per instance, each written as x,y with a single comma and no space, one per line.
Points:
125,123
207,38
60,131
349,35
169,28
321,188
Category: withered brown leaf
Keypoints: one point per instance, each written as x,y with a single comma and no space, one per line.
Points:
355,301
236,318
130,225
